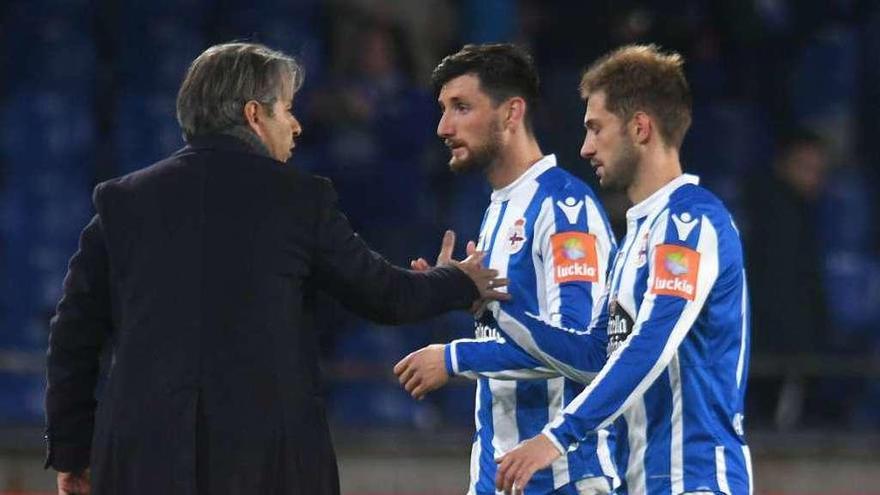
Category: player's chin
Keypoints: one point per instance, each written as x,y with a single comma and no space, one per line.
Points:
458,165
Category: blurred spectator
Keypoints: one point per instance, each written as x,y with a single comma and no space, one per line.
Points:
375,123
785,267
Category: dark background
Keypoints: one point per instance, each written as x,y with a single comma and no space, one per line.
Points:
88,92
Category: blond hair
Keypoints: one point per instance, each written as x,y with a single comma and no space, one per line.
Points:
642,78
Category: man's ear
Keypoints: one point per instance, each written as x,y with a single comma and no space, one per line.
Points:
516,111
252,115
642,126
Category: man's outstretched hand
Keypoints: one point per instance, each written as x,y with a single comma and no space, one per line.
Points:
485,279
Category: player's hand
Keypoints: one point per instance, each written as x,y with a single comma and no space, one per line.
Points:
485,279
75,483
517,467
423,371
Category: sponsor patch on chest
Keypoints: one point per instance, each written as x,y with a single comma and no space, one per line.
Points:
574,257
675,271
620,326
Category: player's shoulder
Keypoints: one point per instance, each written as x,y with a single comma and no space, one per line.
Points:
561,184
692,202
696,199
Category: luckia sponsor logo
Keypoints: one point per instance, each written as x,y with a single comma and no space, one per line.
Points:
573,249
677,264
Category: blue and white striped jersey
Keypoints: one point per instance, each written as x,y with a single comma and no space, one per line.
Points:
678,350
548,235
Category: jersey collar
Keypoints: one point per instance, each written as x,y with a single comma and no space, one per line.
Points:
660,197
538,168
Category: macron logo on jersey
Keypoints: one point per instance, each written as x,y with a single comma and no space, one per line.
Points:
574,257
675,271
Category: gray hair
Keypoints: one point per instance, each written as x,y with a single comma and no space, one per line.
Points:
221,80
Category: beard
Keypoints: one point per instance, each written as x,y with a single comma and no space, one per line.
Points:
482,155
620,171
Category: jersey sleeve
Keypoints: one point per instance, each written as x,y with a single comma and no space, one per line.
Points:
573,245
683,266
498,359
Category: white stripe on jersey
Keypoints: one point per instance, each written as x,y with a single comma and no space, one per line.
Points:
550,303
742,342
637,435
603,251
747,455
475,466
676,458
556,391
453,358
604,453
721,469
504,416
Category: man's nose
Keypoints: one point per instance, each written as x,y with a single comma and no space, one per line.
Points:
296,127
444,128
588,149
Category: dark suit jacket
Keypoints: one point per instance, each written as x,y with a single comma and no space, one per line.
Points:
195,269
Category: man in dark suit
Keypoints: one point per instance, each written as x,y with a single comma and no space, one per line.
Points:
197,271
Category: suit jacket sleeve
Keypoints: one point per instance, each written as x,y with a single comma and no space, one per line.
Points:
371,286
79,330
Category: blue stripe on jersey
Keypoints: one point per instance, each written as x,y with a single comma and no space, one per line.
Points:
531,414
620,453
486,482
657,455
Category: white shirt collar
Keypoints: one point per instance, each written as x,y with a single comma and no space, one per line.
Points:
660,196
537,168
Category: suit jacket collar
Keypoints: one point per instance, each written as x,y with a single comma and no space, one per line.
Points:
226,142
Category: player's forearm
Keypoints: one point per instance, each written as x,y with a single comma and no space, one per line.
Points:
495,359
576,354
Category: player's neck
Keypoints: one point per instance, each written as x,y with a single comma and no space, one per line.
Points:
513,161
654,171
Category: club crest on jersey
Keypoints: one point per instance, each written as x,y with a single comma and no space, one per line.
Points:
675,271
643,251
574,257
516,236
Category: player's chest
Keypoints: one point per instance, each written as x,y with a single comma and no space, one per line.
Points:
507,235
627,284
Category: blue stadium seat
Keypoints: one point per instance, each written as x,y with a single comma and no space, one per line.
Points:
21,398
49,50
146,130
153,52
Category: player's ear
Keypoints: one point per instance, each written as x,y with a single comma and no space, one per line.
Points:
516,112
642,127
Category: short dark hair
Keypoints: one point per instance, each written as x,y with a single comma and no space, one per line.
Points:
505,70
224,77
642,78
